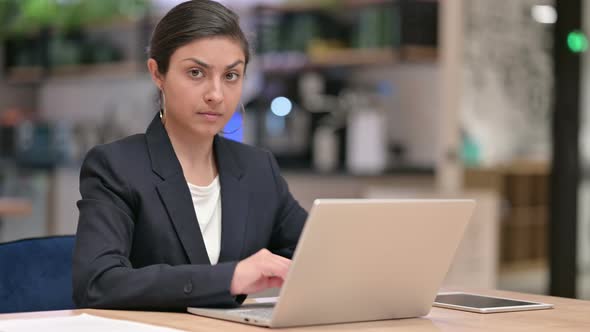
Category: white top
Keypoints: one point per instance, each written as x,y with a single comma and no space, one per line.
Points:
207,203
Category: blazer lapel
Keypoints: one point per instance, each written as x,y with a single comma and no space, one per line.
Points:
177,199
174,192
234,202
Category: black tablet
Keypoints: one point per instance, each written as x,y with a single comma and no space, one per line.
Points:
485,304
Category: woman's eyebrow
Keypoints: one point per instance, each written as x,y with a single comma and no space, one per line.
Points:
197,61
206,65
234,64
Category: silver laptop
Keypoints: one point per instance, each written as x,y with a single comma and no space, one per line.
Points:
363,260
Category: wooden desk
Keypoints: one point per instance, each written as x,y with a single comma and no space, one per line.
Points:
568,315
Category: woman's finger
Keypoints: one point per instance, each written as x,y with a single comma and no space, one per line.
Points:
274,269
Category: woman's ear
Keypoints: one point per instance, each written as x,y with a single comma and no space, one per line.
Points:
156,76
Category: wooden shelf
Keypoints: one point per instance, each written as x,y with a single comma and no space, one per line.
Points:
360,3
293,8
32,74
349,58
103,69
540,264
414,53
517,167
15,207
36,74
307,6
354,57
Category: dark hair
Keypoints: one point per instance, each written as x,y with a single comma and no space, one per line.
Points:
189,21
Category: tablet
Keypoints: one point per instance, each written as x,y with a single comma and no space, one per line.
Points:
485,304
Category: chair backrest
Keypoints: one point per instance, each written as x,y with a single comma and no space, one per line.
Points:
36,274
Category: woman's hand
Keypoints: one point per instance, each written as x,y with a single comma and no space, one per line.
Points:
258,272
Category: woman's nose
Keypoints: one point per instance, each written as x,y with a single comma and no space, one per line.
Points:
214,95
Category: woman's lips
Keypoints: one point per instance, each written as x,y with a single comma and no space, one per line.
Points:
210,116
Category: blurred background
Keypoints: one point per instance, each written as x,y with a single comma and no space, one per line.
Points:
356,98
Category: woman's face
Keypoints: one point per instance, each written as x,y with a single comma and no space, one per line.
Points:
203,85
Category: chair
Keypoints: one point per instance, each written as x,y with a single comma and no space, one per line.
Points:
36,274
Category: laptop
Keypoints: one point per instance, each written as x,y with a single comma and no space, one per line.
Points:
363,260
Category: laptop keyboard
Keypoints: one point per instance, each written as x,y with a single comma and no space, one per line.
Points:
258,313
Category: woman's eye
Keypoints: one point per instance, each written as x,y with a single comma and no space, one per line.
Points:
232,76
195,73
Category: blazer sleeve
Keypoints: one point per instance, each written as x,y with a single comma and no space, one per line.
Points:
290,217
103,276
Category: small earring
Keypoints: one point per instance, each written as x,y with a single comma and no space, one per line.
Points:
163,108
243,110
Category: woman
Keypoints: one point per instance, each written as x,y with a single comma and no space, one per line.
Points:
179,216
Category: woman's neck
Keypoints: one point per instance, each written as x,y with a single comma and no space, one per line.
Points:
195,155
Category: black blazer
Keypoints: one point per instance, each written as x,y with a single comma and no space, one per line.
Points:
138,243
